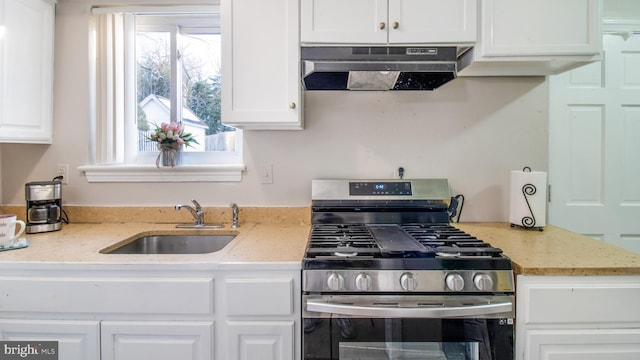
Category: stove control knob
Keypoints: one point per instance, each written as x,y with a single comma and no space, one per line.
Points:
335,282
408,282
483,282
454,282
363,282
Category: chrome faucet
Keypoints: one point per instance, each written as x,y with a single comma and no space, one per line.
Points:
234,223
196,211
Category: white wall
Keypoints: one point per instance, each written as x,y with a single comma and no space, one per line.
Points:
473,131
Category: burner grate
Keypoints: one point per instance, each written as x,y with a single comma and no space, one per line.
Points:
440,240
341,240
448,241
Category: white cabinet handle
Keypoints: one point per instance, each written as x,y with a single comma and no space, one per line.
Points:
382,25
292,105
396,24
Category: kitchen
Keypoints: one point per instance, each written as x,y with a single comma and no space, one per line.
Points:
379,129
448,133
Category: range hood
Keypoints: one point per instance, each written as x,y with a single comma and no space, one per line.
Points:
381,68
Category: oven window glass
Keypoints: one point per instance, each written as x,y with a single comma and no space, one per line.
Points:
410,338
409,350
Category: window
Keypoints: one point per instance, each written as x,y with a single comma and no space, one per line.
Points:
160,65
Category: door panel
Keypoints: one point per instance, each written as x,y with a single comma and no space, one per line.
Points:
594,153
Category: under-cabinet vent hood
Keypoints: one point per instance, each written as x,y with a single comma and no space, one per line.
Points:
381,68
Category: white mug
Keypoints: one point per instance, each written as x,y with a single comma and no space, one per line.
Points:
8,229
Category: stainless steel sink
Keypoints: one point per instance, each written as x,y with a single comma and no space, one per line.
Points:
172,244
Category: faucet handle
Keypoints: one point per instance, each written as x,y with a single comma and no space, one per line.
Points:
234,222
198,207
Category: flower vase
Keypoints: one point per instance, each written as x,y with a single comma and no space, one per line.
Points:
168,157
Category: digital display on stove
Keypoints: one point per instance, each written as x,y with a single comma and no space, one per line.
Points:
380,188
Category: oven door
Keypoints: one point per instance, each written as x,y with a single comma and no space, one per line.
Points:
349,327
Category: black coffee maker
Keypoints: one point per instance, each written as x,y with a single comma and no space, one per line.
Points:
44,206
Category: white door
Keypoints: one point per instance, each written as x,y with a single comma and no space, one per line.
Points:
594,146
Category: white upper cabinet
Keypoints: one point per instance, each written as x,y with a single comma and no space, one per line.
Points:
26,71
542,37
357,22
261,65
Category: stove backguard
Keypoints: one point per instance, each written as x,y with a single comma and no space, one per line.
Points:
379,212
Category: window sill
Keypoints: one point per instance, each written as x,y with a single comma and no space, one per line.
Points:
121,173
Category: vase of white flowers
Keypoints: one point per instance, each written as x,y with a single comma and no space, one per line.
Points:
171,139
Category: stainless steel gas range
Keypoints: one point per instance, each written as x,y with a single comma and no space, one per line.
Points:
386,276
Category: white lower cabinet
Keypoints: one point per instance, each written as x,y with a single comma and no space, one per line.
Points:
262,315
593,344
572,317
111,314
160,314
121,340
166,340
265,340
77,340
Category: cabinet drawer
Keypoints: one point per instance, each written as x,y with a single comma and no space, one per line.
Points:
181,296
251,297
580,300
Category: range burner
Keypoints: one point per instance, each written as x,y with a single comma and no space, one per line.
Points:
422,240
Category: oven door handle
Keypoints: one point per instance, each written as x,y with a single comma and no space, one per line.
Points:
468,311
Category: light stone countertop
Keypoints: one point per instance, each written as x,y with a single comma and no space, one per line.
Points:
81,244
554,251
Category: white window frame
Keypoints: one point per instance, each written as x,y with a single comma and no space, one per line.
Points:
114,108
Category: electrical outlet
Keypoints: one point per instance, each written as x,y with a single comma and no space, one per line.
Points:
63,170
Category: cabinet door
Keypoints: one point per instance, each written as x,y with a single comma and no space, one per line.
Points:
26,70
432,21
577,317
77,340
541,27
265,340
343,22
261,64
136,340
615,344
